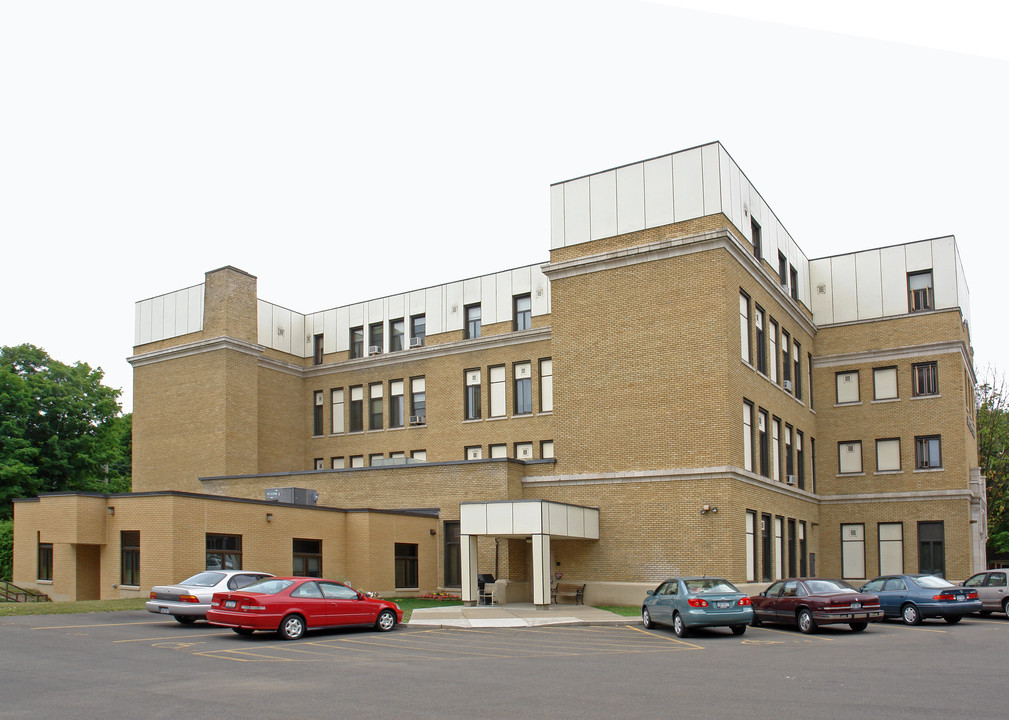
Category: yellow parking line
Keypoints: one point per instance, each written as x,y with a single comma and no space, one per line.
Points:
662,637
95,625
171,637
811,636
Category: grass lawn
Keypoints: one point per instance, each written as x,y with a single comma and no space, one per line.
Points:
625,610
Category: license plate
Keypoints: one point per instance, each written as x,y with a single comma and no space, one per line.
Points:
164,611
229,603
722,604
856,606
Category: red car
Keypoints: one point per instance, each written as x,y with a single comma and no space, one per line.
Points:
291,605
809,602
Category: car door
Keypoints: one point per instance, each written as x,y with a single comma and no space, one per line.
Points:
344,605
765,604
665,602
977,582
892,596
308,599
993,592
784,608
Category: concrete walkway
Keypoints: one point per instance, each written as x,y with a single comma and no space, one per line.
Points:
515,615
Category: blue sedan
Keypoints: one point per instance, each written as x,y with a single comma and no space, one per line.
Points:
695,602
914,597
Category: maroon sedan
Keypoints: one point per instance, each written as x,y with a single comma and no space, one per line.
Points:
290,606
809,602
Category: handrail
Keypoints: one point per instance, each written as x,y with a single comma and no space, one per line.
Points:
12,593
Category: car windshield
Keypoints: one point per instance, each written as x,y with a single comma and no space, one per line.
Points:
203,579
712,585
269,586
820,587
932,582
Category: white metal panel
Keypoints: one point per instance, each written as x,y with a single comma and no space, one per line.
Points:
472,291
576,211
343,327
143,322
868,285
376,310
282,329
591,527
301,341
521,280
158,318
182,312
842,276
576,521
503,299
453,307
658,175
710,178
168,322
919,256
329,337
893,280
556,518
725,184
434,310
264,329
472,519
963,292
556,216
688,201
196,308
540,291
603,205
356,315
500,518
417,303
528,518
944,272
397,306
488,300
739,197
631,198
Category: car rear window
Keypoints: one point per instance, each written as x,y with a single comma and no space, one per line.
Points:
269,586
818,587
203,579
932,582
712,585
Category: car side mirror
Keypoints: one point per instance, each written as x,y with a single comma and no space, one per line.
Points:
763,593
649,592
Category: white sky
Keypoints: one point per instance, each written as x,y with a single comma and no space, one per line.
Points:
344,151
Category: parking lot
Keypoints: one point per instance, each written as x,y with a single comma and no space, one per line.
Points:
114,664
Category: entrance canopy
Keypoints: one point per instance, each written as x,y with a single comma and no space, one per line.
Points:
539,520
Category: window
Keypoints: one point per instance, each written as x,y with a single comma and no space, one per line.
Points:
755,237
891,548
418,401
919,291
812,462
797,360
375,339
336,401
375,459
523,388
802,548
888,455
419,455
375,406
523,312
546,385
524,450
45,560
789,458
786,360
782,269
406,565
800,461
751,546
779,545
396,334
792,569
317,412
849,456
318,464
847,387
357,461
853,551
773,342
471,410
396,405
497,391
809,373
317,350
767,570
357,342
546,449
884,383
398,456
745,351
761,337
306,558
499,451
224,552
925,378
748,435
793,282
931,548
418,330
765,468
927,452
472,328
129,567
473,452
357,409
776,449
453,553
337,463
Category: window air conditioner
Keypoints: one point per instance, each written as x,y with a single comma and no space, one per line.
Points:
788,386
417,419
417,342
790,479
374,350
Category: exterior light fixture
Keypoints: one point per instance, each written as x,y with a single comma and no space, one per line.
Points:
111,509
269,517
705,509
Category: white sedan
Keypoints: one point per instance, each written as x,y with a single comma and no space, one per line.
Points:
188,601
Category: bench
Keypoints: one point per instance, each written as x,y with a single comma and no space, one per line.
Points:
576,592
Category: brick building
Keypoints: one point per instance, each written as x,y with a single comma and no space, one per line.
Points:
679,389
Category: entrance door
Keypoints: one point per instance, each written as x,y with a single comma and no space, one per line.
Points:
931,548
453,555
765,547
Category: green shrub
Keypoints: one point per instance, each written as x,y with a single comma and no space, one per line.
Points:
6,550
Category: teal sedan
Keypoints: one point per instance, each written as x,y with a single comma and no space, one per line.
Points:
696,602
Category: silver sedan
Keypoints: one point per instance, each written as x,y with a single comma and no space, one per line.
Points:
188,601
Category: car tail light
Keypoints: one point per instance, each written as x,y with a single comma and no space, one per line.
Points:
745,601
944,596
215,603
189,598
154,595
697,602
972,595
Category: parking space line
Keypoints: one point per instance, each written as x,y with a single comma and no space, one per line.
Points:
670,639
95,625
171,637
811,636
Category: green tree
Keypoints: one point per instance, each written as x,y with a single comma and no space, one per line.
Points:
60,428
993,455
6,550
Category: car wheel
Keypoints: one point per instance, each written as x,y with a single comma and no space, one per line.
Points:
646,619
953,619
1005,606
244,631
386,621
738,629
806,622
291,627
185,619
910,614
680,627
756,621
859,626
